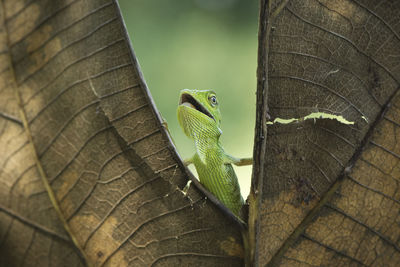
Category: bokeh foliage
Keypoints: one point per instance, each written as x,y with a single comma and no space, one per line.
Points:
200,44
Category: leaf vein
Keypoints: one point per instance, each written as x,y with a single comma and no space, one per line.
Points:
64,29
116,204
372,189
33,224
346,40
380,235
341,253
132,233
321,86
336,65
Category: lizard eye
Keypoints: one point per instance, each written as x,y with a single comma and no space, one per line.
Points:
213,100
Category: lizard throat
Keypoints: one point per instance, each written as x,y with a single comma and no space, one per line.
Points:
189,101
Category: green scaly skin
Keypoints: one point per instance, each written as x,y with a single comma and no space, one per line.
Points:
200,119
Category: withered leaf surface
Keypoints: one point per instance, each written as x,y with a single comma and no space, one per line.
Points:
328,192
88,175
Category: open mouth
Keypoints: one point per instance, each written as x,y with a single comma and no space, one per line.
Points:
189,101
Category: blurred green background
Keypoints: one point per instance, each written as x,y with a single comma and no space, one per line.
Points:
200,44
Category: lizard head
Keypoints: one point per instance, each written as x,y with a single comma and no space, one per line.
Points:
198,112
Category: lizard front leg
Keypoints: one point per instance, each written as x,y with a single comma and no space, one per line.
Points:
237,161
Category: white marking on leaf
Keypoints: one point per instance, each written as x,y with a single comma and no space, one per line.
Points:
314,116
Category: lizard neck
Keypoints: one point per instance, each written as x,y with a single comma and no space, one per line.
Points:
208,148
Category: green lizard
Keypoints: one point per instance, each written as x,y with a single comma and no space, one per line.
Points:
200,119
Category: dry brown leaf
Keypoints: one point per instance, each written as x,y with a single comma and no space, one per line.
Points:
88,174
329,192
